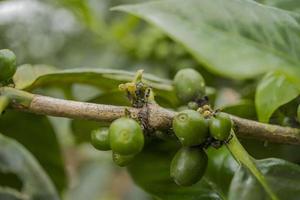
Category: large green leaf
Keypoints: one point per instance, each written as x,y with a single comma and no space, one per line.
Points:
16,159
292,5
37,135
30,77
10,194
94,177
26,74
103,78
262,150
151,171
282,176
221,168
234,38
274,90
244,108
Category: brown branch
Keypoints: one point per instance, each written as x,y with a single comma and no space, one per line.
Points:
266,132
158,117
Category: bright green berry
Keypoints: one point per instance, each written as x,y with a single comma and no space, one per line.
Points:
190,127
7,64
220,126
100,139
126,136
189,85
188,166
122,160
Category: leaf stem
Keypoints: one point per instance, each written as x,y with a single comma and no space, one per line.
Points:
242,156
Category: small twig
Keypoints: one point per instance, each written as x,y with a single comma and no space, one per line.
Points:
159,118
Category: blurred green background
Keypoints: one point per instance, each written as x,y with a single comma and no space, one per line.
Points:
69,34
87,34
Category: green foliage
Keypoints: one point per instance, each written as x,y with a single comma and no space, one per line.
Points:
243,48
243,108
221,168
30,77
273,91
242,156
37,135
16,159
231,24
282,176
94,177
291,5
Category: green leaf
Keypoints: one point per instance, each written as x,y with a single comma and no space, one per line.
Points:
26,74
30,77
221,168
244,108
274,90
262,150
291,5
282,176
151,171
11,181
15,158
37,135
242,156
234,38
11,194
94,178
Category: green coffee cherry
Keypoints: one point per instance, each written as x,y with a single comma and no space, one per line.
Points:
189,85
220,126
100,139
190,127
188,166
126,136
7,64
122,160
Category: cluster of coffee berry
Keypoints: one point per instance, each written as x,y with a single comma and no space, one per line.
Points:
124,137
197,128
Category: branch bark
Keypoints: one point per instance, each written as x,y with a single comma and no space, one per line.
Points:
158,118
